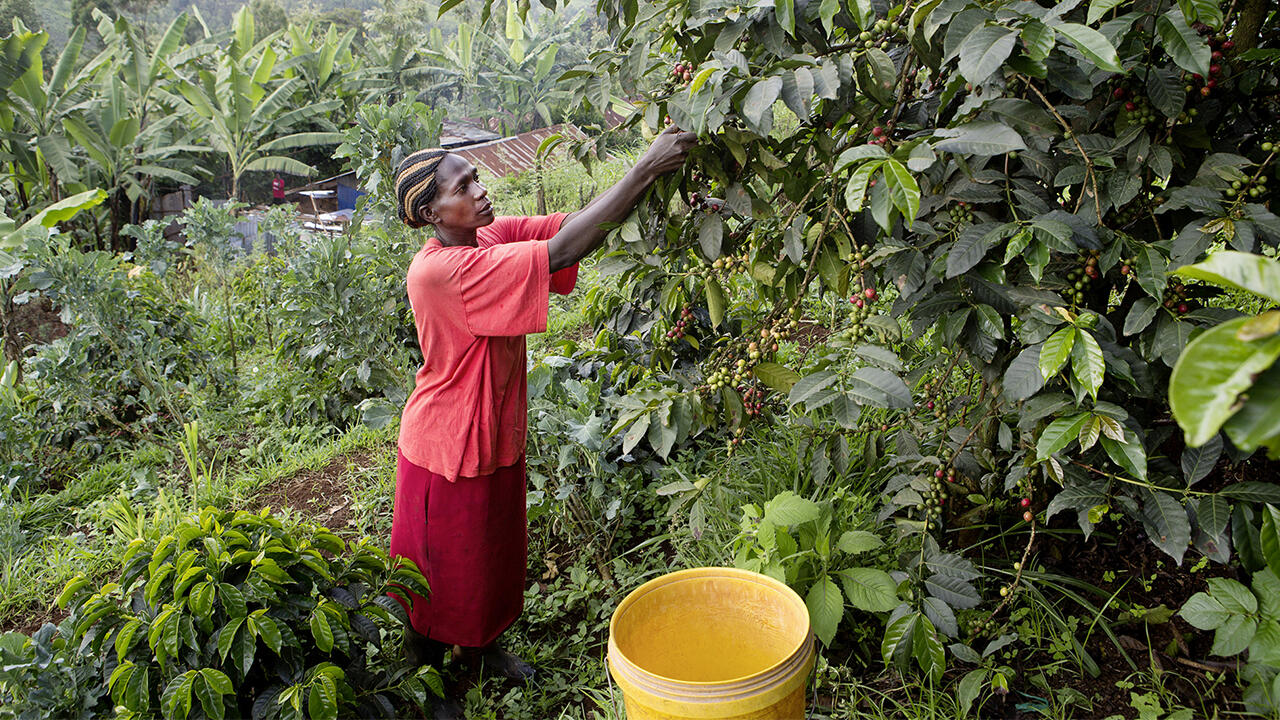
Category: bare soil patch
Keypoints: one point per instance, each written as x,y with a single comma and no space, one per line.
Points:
322,496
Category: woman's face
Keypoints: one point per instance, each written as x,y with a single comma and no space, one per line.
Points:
461,202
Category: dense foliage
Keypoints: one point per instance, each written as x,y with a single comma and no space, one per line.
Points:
232,614
1004,184
950,295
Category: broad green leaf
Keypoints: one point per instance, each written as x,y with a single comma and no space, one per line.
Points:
210,700
1087,363
1167,523
1213,513
1197,462
1270,537
1055,351
322,701
826,608
903,189
979,138
1130,454
1234,597
1092,44
1204,612
777,377
759,102
1140,315
1098,8
1253,491
869,589
1184,44
1059,434
927,650
969,689
1256,274
1234,635
785,12
787,509
895,648
710,234
984,50
856,191
1213,370
968,250
1022,378
715,302
321,631
810,385
858,541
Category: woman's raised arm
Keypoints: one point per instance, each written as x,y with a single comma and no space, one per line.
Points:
581,232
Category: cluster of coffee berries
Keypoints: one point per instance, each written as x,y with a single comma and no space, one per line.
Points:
1267,146
935,498
860,303
879,135
979,626
1078,280
706,204
878,35
960,213
752,401
1138,111
722,267
677,332
733,363
1253,187
859,256
737,437
1175,298
1027,514
1187,115
937,404
682,72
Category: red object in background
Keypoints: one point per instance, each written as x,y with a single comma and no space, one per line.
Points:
277,188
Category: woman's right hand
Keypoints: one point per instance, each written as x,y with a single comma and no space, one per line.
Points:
668,151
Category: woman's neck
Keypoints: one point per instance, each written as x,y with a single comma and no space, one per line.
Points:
453,237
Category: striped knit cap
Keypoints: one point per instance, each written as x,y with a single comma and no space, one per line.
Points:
416,185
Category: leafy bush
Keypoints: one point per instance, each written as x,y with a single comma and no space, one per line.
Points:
1006,184
133,354
235,615
345,321
375,145
1246,618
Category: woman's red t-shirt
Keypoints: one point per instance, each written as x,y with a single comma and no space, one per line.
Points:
472,307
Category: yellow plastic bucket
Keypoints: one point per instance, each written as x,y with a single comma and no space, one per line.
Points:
712,643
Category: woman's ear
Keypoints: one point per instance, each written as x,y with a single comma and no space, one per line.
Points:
429,216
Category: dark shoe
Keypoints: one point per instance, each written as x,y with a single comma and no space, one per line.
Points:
443,709
496,661
421,650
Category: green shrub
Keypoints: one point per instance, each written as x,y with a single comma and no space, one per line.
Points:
235,615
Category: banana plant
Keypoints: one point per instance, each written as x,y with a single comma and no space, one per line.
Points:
325,65
126,150
31,117
242,107
126,157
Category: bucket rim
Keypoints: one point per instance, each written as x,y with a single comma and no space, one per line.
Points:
743,682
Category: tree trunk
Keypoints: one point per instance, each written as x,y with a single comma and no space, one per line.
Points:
1249,26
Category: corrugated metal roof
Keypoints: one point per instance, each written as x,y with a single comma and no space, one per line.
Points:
516,153
454,133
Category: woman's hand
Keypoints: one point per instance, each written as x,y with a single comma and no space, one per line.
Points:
667,153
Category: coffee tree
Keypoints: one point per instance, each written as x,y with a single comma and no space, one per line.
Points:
1006,185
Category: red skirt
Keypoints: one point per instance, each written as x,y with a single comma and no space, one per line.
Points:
470,539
